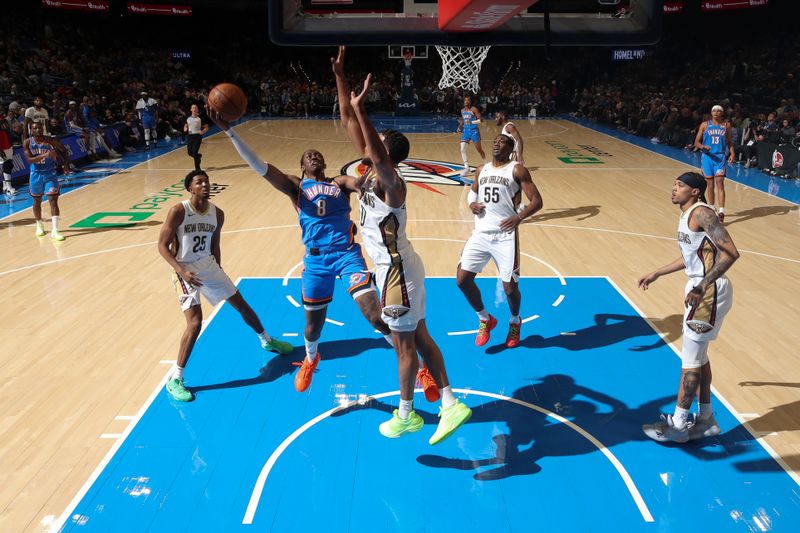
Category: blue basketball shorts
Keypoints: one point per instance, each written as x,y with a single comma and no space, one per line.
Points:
322,270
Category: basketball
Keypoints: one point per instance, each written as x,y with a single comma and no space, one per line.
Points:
228,100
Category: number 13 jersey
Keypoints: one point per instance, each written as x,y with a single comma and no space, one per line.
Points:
195,232
500,193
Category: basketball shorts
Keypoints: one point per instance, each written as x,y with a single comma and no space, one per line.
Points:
470,135
713,165
321,271
44,184
149,123
703,322
501,246
216,285
402,289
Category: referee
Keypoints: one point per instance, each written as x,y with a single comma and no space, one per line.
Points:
195,128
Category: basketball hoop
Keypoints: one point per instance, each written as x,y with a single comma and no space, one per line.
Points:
461,66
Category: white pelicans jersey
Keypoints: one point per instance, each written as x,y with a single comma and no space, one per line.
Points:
195,232
500,193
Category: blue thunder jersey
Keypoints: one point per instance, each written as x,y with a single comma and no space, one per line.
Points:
148,110
46,167
714,137
324,215
468,116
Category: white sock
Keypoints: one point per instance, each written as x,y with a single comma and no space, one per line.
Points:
680,418
515,319
721,209
178,372
311,349
406,406
39,224
446,393
483,315
464,154
389,339
54,221
265,338
704,411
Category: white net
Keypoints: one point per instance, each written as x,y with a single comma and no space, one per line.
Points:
461,66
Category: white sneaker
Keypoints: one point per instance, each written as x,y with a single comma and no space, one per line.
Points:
9,190
704,428
113,153
664,430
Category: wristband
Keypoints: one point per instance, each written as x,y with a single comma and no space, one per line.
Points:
472,197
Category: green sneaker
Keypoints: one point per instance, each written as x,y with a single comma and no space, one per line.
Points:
274,345
178,392
396,426
56,236
450,419
40,230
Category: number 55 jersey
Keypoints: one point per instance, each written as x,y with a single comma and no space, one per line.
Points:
500,193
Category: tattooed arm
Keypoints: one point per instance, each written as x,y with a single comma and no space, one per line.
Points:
705,219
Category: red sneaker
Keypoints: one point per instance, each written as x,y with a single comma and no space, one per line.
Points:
484,329
721,218
302,379
512,339
428,384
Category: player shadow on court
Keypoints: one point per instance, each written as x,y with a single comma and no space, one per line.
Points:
583,212
533,435
608,329
759,212
785,417
281,365
24,222
380,405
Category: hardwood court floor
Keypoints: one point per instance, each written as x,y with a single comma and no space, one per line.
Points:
90,325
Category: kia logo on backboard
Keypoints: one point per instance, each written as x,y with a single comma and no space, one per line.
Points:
417,170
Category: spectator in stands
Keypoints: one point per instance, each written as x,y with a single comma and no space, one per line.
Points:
746,150
97,141
772,129
127,137
55,127
788,132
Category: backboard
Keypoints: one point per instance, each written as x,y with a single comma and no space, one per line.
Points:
510,22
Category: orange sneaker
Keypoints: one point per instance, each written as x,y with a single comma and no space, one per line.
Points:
428,384
512,339
484,329
302,379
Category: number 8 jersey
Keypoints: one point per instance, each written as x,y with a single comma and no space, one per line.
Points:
500,193
324,211
195,232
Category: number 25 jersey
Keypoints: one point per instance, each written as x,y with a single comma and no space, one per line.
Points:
195,233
